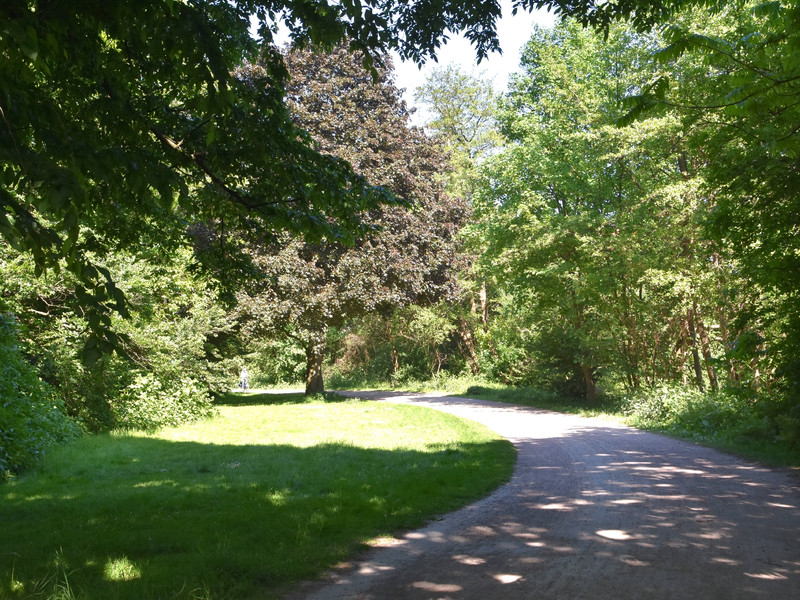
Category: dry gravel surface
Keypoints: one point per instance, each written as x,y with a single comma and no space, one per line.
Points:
594,510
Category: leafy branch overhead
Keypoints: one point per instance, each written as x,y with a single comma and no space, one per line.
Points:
125,125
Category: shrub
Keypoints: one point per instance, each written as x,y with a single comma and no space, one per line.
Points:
32,417
275,362
687,412
147,403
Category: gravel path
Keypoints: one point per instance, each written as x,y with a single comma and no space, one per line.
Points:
594,510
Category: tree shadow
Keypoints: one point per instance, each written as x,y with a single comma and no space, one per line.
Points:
274,398
160,518
596,511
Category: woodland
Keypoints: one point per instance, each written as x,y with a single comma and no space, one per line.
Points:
180,198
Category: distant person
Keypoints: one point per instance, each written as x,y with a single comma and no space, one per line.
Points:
243,382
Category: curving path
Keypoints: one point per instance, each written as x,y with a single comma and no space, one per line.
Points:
594,510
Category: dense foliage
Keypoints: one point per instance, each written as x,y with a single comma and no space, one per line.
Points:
32,417
173,341
743,112
634,223
408,254
636,229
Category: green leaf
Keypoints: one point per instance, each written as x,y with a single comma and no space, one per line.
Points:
211,134
91,351
30,43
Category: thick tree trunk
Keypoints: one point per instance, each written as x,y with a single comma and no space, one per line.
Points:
315,354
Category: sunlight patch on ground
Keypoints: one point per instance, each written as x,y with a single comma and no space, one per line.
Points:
437,587
769,576
506,578
385,542
615,534
121,569
374,569
469,560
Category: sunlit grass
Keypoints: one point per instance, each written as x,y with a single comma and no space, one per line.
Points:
239,506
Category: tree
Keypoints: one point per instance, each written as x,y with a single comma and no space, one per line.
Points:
124,122
462,110
32,417
176,340
593,229
742,103
407,256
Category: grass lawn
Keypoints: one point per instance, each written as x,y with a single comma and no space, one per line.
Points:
272,491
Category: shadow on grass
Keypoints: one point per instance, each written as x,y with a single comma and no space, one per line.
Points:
269,398
150,518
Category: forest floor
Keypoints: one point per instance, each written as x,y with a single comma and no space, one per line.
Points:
594,510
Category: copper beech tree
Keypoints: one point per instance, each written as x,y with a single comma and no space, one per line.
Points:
406,253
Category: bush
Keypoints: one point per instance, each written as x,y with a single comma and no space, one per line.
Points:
687,412
32,418
148,403
274,362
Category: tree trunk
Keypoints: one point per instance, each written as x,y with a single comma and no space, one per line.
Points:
315,354
438,361
680,352
706,346
468,346
484,304
698,369
588,378
722,317
395,354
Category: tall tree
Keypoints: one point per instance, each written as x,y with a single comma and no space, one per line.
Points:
591,227
409,253
462,108
122,122
740,100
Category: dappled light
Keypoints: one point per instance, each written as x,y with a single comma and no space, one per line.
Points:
595,509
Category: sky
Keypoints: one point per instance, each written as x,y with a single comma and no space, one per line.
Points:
513,32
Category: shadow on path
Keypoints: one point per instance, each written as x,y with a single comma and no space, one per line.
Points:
593,511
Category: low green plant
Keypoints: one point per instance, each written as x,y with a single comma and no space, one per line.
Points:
272,490
532,396
147,403
55,585
32,417
720,417
752,425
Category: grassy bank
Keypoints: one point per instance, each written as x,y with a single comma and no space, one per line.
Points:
271,491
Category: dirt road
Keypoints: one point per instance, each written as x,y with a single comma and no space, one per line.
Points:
593,511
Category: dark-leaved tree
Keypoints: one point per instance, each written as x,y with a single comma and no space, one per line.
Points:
407,254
